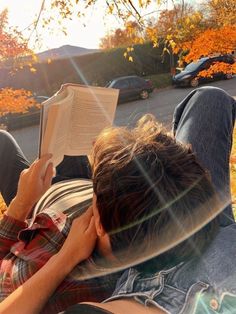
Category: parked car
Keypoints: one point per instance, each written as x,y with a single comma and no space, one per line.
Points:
40,99
131,87
188,77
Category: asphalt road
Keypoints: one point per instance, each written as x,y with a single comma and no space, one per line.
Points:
161,103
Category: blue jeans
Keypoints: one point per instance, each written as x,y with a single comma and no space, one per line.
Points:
202,285
12,162
204,119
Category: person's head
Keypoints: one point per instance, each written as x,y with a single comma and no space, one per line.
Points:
145,182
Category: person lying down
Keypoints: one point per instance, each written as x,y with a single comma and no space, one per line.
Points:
153,204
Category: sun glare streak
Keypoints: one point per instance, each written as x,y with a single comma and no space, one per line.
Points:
88,273
181,232
184,229
77,69
157,211
97,101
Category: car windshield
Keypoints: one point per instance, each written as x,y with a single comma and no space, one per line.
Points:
194,65
108,84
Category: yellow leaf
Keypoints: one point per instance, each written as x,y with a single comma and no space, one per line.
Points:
111,8
140,3
131,59
35,58
187,21
33,70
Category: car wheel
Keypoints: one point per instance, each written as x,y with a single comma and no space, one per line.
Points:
228,76
194,82
144,94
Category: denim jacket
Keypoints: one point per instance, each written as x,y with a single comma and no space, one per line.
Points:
206,284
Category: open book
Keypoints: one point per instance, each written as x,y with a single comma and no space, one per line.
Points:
72,119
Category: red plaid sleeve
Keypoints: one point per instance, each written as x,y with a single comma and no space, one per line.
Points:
9,229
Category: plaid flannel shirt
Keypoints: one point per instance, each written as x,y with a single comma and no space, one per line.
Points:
26,248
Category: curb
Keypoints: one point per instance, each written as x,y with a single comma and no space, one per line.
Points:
156,89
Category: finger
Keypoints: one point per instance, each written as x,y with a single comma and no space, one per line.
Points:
23,176
48,175
44,158
30,169
86,216
89,210
82,222
91,228
23,172
40,163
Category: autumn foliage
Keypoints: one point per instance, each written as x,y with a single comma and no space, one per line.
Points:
219,67
179,26
129,35
2,206
221,12
189,32
12,48
195,35
212,41
12,43
233,170
15,100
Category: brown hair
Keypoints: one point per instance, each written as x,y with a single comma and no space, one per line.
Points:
143,180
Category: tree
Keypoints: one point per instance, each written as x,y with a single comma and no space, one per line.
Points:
220,12
179,25
233,170
12,43
12,48
191,34
185,31
121,9
131,34
15,101
218,39
212,42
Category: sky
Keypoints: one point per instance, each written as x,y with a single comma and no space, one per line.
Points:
22,13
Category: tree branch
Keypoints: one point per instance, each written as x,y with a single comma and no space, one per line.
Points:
37,20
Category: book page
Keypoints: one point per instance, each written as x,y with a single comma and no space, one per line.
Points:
93,109
49,132
56,120
45,106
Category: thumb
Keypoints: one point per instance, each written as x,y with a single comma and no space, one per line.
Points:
48,175
91,228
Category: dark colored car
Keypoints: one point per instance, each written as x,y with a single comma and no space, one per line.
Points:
131,87
188,77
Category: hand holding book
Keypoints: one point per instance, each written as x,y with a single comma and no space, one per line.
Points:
72,119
